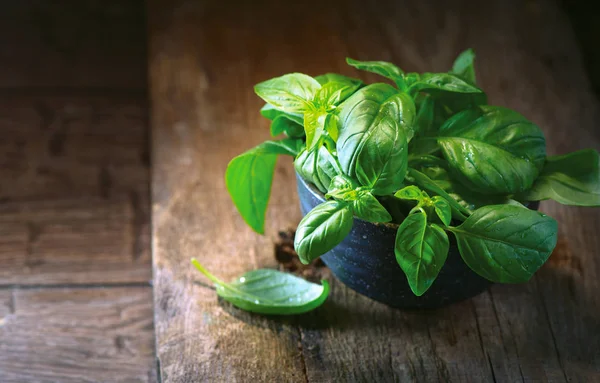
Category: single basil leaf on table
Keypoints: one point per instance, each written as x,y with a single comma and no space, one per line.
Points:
290,93
493,150
317,166
372,146
266,291
570,179
382,68
464,67
368,208
421,250
348,85
249,177
322,229
506,243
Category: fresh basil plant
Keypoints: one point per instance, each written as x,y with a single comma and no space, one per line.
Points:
451,163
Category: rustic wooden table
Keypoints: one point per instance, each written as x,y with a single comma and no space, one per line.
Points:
204,59
75,268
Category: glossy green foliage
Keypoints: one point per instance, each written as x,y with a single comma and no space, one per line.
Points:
372,146
506,243
249,177
421,250
464,67
323,228
382,68
493,150
267,291
426,153
290,93
571,179
318,166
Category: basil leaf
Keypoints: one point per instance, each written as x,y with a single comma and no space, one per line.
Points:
425,118
346,85
284,124
382,68
367,207
317,166
506,243
341,182
434,187
493,150
446,82
372,146
465,197
266,291
270,112
442,209
463,66
249,177
411,193
571,179
290,93
314,126
421,250
322,229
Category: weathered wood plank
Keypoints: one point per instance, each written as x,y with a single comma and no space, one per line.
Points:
76,335
74,205
204,60
72,44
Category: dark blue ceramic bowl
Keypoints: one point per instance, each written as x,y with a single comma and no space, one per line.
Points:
366,263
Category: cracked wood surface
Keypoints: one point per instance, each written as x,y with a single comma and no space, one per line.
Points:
205,58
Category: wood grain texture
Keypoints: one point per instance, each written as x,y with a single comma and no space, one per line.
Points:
204,59
72,44
74,197
76,335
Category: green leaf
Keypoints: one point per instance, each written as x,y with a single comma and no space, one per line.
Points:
382,68
333,83
266,291
461,194
290,93
493,150
411,193
283,124
270,112
571,179
421,250
368,208
446,82
506,243
317,166
434,187
442,209
249,177
372,146
322,229
314,126
463,66
425,119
